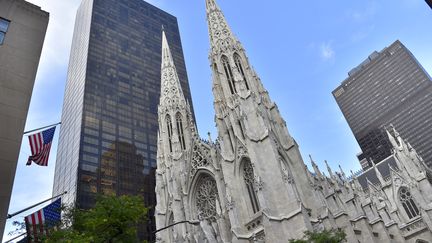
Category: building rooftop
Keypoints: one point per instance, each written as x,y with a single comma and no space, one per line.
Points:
365,64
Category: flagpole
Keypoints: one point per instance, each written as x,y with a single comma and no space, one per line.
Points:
34,130
16,237
37,204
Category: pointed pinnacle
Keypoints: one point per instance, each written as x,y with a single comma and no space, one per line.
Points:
166,51
369,182
210,4
170,83
311,159
328,166
329,169
209,137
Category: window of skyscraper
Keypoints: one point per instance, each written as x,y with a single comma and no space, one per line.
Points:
4,25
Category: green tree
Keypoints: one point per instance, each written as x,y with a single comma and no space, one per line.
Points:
326,236
113,219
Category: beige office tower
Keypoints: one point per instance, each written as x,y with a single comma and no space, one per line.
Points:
22,33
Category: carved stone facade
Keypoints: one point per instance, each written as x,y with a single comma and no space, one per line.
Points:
252,185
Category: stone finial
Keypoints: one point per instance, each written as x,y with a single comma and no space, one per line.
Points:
342,172
315,167
329,169
209,137
393,136
378,174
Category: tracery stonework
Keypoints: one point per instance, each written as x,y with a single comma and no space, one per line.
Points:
263,191
206,196
248,173
198,160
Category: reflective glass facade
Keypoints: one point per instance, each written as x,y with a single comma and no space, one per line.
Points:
390,87
108,138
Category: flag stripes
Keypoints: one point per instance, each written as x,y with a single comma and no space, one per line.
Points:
40,145
35,142
41,222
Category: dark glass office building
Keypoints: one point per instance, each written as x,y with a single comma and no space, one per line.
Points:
108,138
389,87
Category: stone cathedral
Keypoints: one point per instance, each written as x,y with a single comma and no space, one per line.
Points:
252,185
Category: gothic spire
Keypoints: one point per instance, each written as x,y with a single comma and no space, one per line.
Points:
174,112
220,32
171,91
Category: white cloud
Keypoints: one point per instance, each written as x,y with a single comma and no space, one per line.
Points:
58,39
365,14
327,52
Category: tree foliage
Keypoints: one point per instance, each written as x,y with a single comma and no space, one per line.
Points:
326,236
113,219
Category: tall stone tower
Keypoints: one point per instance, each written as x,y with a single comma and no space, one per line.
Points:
262,165
176,130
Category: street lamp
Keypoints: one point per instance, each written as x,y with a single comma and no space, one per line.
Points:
193,222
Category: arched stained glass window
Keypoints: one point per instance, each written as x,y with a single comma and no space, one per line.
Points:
180,131
249,179
169,129
408,203
229,74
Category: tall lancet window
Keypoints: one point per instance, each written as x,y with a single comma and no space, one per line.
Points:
171,231
170,131
249,178
408,203
238,62
180,131
229,74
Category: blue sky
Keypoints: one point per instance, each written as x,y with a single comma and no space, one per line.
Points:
302,50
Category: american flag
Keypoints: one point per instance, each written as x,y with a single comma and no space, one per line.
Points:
40,144
39,223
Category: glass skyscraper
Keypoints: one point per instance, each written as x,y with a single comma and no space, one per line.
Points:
108,138
389,87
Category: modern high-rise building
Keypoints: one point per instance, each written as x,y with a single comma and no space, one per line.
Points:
429,2
108,138
389,87
22,33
